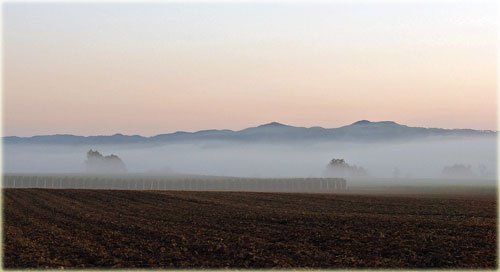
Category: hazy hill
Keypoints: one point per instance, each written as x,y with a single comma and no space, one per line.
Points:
360,131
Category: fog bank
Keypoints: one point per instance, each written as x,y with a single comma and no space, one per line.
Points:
412,159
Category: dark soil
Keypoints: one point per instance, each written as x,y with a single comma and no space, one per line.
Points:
46,228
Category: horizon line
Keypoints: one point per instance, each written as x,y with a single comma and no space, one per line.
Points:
255,126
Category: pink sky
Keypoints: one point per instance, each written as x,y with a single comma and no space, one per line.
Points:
104,69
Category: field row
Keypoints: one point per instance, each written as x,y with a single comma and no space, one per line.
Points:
175,183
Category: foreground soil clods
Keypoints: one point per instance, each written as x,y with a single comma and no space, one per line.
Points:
153,229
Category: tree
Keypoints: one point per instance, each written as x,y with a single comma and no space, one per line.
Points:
484,172
340,168
458,171
396,173
97,163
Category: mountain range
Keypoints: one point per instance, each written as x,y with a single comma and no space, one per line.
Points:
360,131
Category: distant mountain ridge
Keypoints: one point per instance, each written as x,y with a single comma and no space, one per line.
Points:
362,131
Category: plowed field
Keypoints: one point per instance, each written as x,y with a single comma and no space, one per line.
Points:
46,228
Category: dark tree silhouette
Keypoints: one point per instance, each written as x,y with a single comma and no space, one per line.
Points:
340,168
97,163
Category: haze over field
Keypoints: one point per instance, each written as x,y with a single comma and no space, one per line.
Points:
271,150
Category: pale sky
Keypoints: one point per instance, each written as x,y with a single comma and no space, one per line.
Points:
95,68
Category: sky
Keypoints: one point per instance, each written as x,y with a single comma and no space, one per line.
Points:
151,68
